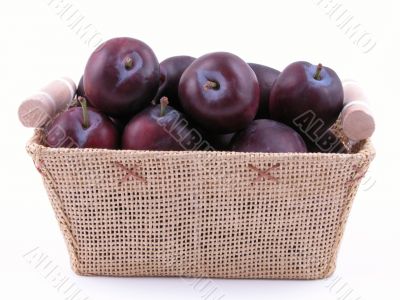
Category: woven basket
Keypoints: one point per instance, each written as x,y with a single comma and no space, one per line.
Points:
201,213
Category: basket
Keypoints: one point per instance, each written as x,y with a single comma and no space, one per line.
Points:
201,213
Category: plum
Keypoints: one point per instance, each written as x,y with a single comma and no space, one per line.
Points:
121,77
266,77
160,127
80,91
303,88
219,141
326,143
82,127
265,135
171,70
220,92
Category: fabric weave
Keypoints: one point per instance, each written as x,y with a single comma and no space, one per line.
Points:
203,214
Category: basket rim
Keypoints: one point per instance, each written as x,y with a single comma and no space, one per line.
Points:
366,150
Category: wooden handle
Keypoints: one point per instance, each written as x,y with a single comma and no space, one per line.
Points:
42,106
357,120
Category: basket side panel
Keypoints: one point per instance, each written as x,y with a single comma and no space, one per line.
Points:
368,154
203,214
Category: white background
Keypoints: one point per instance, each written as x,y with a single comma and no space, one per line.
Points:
36,45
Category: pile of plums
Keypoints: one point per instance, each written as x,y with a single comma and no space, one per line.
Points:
128,100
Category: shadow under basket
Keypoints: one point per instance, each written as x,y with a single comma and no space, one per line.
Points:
201,213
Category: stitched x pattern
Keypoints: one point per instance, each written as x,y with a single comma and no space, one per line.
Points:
131,173
264,173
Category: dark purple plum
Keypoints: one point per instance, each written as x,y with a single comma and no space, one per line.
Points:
303,88
265,135
327,143
266,77
171,70
80,91
120,123
220,141
220,92
160,127
82,127
121,77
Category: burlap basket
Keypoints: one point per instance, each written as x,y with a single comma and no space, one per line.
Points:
203,214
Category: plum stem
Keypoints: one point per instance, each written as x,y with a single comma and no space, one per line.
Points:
211,85
317,75
163,104
85,112
128,62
